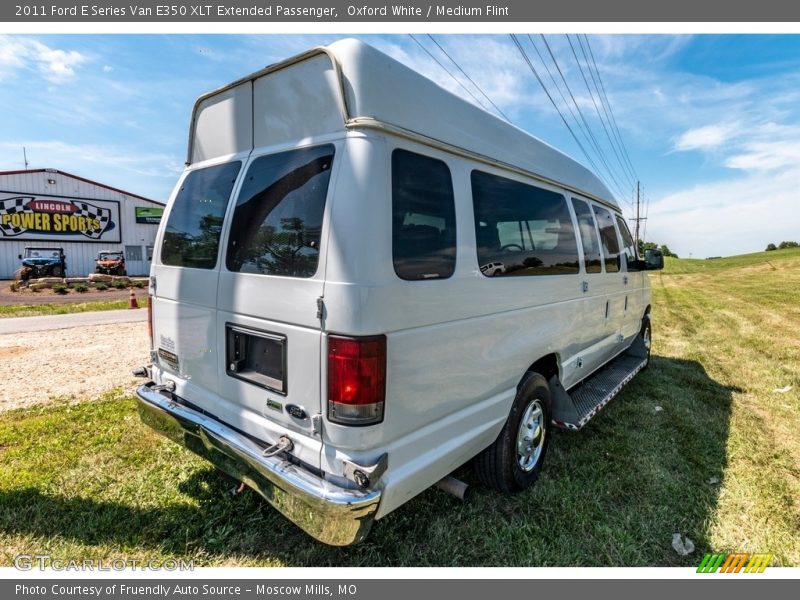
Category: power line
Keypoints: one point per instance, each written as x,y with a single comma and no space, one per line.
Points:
604,103
550,97
611,112
446,70
582,129
587,127
611,139
497,108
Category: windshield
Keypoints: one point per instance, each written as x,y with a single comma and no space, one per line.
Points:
42,253
110,256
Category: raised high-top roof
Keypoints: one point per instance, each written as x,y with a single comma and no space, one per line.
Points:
350,84
379,87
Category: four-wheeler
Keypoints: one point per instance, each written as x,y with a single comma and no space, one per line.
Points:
42,262
110,262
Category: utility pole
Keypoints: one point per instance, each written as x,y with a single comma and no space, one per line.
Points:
25,157
637,214
639,217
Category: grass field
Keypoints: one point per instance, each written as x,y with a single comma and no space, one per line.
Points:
33,310
719,462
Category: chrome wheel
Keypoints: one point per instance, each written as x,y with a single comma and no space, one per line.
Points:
530,436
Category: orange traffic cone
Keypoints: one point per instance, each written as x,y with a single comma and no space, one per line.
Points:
132,300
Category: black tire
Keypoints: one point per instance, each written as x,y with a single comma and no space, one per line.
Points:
57,272
647,338
498,467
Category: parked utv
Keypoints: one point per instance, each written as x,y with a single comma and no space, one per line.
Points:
42,262
110,262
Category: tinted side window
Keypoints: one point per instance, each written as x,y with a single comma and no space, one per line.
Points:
628,247
277,224
608,238
191,237
521,229
589,240
423,217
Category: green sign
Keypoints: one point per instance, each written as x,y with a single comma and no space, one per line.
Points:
149,214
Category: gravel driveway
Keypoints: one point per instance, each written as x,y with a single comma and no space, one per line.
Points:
80,363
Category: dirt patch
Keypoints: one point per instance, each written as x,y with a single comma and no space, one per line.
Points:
48,296
77,363
12,351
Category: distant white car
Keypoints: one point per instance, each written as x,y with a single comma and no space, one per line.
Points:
492,269
322,329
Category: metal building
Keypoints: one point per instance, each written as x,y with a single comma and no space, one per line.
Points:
46,207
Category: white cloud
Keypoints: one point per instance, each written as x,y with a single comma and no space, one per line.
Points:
731,217
107,68
140,172
12,55
707,137
764,156
53,64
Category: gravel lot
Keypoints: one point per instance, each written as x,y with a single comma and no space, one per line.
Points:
74,364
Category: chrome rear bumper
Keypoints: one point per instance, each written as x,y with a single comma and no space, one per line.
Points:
329,513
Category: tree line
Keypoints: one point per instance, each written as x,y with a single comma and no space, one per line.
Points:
653,246
782,246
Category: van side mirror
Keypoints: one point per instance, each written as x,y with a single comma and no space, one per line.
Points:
19,256
653,259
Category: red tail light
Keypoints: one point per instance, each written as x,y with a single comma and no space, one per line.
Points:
150,320
356,379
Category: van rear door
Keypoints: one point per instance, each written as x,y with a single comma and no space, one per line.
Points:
184,280
270,288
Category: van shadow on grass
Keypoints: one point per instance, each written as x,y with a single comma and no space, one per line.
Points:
612,494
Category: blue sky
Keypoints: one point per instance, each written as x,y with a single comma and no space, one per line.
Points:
711,122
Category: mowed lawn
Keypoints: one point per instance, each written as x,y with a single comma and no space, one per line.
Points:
705,443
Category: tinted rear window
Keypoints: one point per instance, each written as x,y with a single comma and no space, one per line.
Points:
521,229
591,245
608,238
628,246
277,225
191,237
423,217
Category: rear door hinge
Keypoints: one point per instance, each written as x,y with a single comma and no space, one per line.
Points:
320,308
316,424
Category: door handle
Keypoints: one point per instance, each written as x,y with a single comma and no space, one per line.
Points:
625,280
585,286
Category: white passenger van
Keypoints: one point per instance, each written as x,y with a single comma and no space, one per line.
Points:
363,282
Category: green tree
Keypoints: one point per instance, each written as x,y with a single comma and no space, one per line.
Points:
646,246
667,252
653,246
784,245
771,247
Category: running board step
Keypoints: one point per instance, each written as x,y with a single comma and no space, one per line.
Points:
574,409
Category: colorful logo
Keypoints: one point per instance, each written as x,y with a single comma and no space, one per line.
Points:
741,562
23,214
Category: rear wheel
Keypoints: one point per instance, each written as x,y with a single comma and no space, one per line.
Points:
514,461
57,271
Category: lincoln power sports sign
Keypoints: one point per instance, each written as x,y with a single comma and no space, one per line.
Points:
36,217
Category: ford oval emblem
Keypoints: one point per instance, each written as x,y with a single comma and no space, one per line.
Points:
296,411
